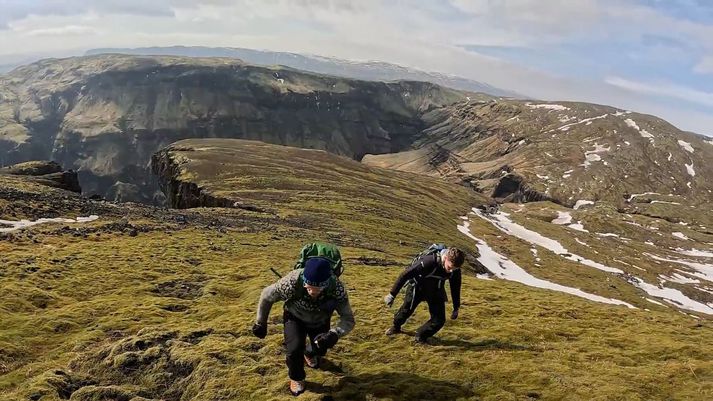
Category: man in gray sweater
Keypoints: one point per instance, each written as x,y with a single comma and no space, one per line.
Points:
311,296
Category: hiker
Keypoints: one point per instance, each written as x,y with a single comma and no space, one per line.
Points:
311,295
424,280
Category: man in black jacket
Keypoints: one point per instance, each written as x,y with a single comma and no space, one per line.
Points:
424,281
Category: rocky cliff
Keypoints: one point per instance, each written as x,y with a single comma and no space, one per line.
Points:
106,115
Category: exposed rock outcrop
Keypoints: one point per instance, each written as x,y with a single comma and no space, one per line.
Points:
46,173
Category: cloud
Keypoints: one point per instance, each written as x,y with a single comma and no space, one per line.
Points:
705,66
426,34
15,10
62,30
665,90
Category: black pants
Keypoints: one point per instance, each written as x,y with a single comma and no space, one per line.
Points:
296,332
436,307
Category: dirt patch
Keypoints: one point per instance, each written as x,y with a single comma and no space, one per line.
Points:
363,260
195,337
175,307
183,289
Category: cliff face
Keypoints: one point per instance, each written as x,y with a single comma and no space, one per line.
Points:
106,115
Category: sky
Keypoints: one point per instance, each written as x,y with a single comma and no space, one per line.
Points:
650,56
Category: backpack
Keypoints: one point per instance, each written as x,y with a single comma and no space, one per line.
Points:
433,248
321,250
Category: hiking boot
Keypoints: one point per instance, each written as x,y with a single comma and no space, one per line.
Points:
393,330
297,387
312,361
420,340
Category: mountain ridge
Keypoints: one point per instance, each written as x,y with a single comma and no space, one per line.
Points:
368,70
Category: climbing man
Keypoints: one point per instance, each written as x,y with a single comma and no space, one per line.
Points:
311,295
424,280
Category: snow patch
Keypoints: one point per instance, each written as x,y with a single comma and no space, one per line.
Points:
562,218
501,221
672,296
506,269
644,133
591,156
622,113
695,252
581,203
587,121
686,146
655,302
558,107
691,171
680,235
580,242
702,270
19,225
680,279
631,197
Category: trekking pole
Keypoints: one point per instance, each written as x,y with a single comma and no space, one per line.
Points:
276,273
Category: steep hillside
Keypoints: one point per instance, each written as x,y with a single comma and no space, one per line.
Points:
148,303
566,152
104,116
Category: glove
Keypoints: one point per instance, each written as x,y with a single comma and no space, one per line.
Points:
326,340
454,315
260,330
389,300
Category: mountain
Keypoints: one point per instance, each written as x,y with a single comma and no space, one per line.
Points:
104,116
134,302
566,152
363,70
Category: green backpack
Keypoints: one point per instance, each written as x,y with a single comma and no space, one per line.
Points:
321,250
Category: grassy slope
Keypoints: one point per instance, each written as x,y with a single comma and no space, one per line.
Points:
109,308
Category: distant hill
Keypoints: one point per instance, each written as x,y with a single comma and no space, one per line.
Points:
567,152
367,70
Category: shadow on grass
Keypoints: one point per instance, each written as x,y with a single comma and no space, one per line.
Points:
490,343
329,366
396,386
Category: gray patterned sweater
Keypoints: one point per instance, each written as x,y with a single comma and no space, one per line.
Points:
313,312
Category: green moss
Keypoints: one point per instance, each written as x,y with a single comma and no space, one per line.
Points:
166,314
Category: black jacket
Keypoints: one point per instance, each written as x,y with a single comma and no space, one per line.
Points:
428,274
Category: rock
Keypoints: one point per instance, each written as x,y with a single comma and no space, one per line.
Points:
47,173
32,168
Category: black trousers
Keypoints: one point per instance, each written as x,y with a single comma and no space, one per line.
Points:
436,307
296,332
